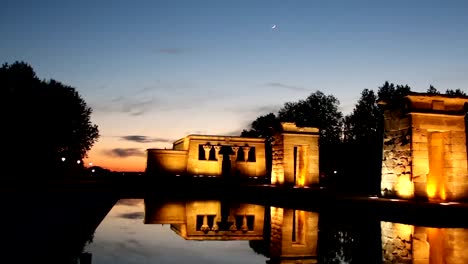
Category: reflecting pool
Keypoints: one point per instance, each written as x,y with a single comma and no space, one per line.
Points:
226,231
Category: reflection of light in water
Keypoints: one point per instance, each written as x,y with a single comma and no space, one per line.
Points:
435,237
449,203
340,256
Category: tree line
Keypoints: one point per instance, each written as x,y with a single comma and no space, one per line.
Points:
350,146
47,127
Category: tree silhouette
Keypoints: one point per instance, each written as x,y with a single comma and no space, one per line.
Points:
456,92
363,138
362,125
44,121
432,90
264,127
317,110
393,95
362,144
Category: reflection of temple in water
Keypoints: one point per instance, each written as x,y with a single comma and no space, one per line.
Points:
208,220
403,243
291,235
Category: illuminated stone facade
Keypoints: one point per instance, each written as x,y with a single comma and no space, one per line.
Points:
208,220
210,156
424,152
295,158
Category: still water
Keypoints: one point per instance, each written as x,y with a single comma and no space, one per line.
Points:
219,231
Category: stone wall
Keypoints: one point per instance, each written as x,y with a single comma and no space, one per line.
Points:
166,162
277,167
396,163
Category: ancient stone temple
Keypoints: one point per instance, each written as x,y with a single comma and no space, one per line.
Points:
210,156
425,151
294,157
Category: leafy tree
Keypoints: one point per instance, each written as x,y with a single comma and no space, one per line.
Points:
392,94
363,137
317,110
363,123
432,90
44,120
264,127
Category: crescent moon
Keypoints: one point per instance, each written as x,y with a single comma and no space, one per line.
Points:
273,27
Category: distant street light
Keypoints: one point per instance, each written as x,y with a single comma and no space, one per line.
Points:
63,158
78,161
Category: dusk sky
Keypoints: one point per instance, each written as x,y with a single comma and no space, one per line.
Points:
155,71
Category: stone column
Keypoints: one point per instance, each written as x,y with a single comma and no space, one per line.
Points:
246,150
217,150
244,227
235,149
207,149
205,227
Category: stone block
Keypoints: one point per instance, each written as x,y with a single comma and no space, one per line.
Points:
420,146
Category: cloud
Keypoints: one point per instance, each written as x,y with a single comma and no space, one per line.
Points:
171,50
137,107
134,215
145,139
124,153
287,86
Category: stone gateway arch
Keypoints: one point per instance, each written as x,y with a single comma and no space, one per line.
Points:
424,149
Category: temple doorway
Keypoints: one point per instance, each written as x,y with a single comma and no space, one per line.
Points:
436,177
300,165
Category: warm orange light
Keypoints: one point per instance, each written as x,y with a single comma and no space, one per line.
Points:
442,193
405,187
431,190
436,179
301,166
277,177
